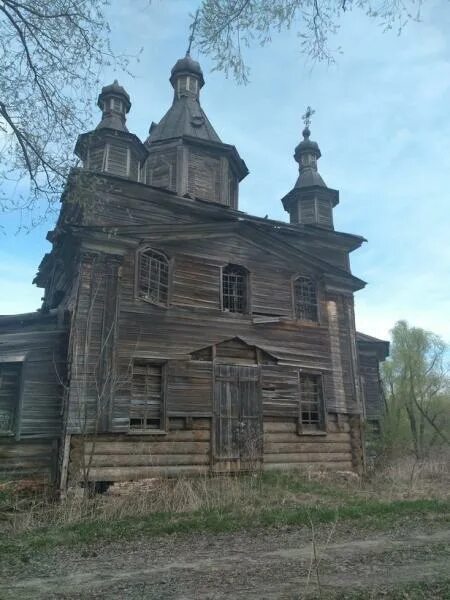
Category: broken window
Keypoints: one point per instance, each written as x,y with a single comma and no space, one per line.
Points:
305,295
311,402
9,395
153,277
147,396
234,289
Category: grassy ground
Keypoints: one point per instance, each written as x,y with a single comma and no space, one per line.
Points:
223,504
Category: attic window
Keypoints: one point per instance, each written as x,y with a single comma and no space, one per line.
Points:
153,277
234,289
116,104
305,299
147,396
9,395
311,415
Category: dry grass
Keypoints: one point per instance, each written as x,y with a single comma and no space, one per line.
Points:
247,495
408,478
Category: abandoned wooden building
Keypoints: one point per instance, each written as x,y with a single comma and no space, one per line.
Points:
179,335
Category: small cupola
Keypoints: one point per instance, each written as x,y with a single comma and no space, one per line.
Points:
111,148
187,78
306,154
114,102
310,202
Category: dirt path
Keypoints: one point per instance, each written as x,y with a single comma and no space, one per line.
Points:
267,564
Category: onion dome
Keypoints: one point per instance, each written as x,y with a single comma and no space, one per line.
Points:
114,103
187,66
306,155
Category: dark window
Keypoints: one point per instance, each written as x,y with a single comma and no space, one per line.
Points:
147,396
153,277
311,401
9,395
305,294
234,289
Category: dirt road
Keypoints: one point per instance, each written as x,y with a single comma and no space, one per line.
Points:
265,564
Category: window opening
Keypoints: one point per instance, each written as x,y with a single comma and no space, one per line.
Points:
234,289
153,277
146,407
311,400
9,395
305,293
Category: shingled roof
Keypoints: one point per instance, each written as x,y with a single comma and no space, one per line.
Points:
184,117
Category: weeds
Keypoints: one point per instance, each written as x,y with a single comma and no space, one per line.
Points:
161,506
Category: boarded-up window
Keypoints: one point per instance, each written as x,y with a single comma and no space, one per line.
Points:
324,213
232,185
204,176
311,401
116,104
153,277
118,160
234,289
9,395
96,157
305,296
308,211
161,169
147,401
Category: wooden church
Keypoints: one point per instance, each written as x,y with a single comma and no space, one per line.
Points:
179,335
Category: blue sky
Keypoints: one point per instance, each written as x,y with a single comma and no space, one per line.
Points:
382,123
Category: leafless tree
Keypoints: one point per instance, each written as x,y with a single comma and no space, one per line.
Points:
224,28
51,52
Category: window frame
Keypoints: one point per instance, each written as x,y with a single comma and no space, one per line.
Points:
18,405
163,429
248,298
305,428
294,279
142,250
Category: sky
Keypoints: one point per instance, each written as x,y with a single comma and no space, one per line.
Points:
382,123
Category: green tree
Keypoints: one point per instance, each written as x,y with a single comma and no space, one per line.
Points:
417,388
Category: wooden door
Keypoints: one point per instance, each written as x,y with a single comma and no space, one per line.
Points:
238,415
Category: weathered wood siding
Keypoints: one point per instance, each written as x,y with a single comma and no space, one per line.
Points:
371,386
189,451
29,459
39,345
112,326
129,457
285,449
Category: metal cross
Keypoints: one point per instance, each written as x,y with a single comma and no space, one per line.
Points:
193,27
307,116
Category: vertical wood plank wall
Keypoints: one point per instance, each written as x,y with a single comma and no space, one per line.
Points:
32,452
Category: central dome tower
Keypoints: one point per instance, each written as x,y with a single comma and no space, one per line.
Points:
185,153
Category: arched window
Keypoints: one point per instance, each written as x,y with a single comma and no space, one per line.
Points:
235,289
153,276
305,299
